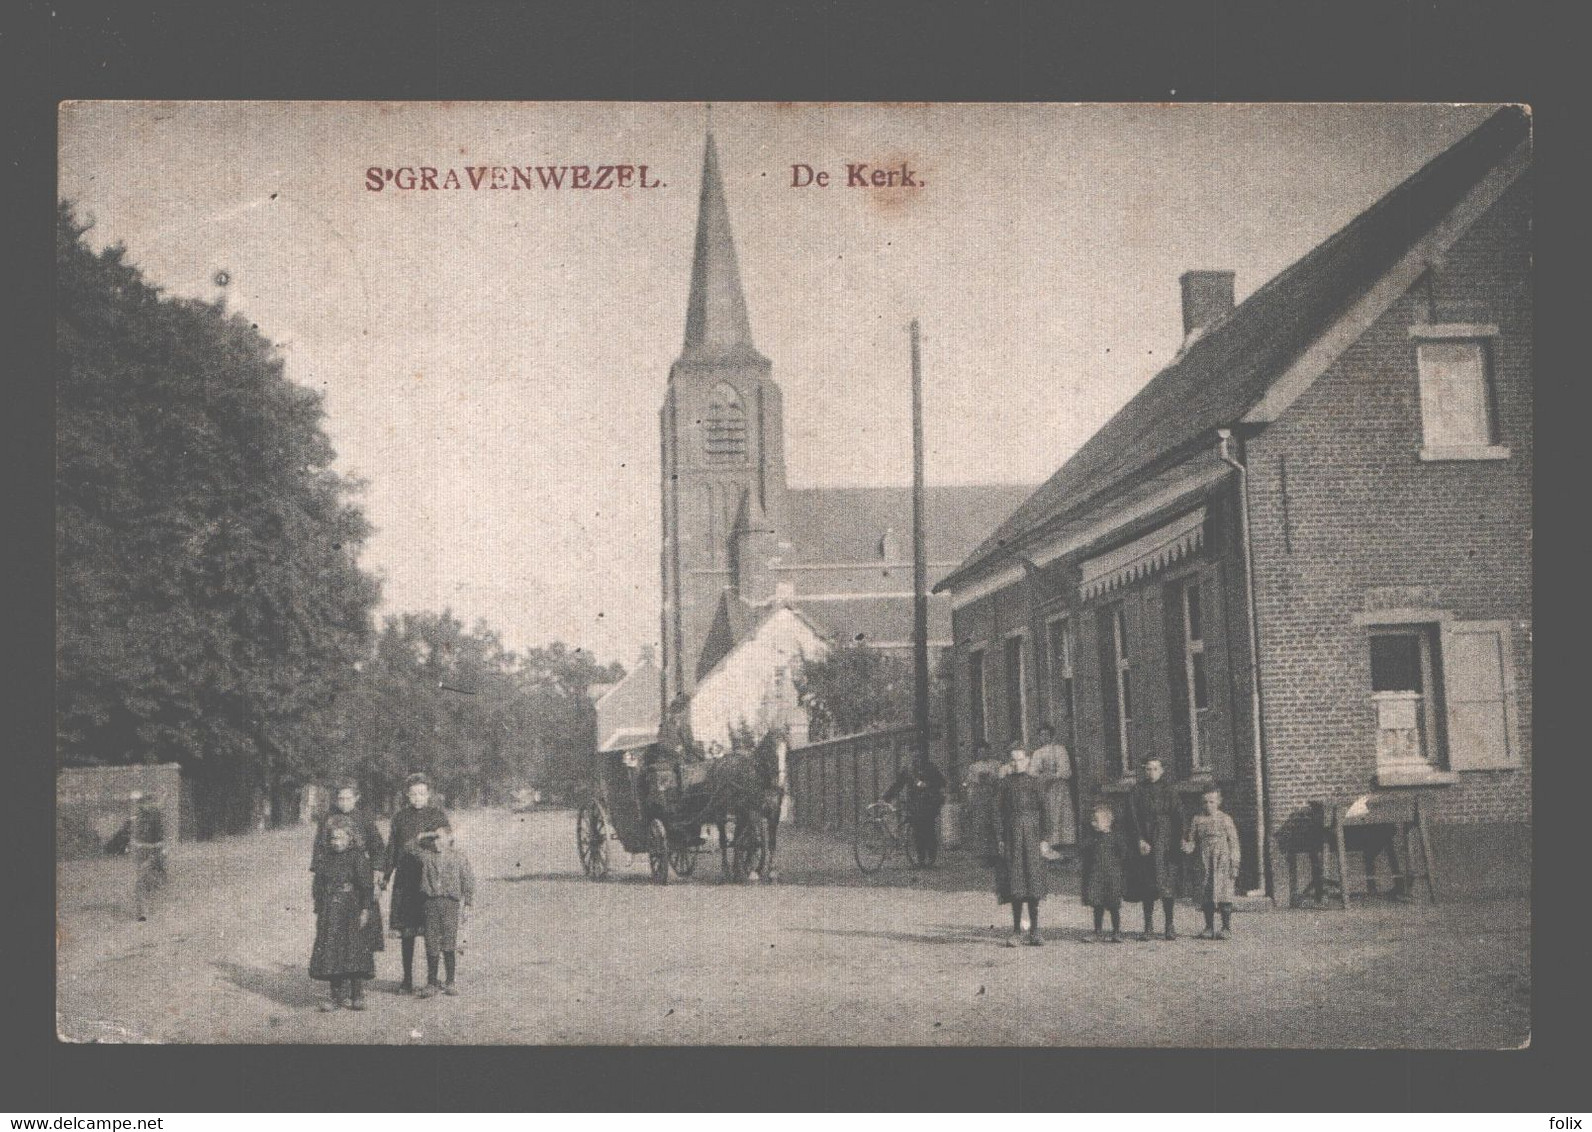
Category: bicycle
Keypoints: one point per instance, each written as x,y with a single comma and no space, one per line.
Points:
882,830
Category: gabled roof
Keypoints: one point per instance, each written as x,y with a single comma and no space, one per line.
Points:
739,621
627,714
1226,371
885,619
845,524
734,621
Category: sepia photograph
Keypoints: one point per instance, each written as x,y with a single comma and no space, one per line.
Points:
794,574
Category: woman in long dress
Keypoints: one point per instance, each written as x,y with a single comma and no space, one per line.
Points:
1020,819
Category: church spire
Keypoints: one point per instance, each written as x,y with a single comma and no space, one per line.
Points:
716,327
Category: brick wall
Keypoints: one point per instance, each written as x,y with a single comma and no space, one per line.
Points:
1345,518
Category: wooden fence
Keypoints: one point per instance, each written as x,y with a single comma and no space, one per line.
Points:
832,781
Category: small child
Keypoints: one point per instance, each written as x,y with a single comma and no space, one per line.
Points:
447,881
342,887
1213,836
1105,870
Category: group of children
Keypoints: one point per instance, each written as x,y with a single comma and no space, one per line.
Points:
1137,864
431,878
1141,863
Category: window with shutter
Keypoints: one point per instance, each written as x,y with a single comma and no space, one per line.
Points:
1479,692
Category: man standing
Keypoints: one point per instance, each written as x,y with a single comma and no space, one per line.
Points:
924,788
1052,765
147,844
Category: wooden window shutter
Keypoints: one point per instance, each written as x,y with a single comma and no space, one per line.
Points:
1479,690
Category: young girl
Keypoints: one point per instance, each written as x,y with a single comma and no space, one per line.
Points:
1105,868
347,812
342,953
1213,836
1154,833
1020,872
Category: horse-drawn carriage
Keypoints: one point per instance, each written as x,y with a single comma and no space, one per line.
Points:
657,802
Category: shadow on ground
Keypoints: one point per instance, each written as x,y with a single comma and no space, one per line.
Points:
286,984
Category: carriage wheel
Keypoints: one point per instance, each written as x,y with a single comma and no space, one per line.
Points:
591,840
658,851
684,862
872,843
749,851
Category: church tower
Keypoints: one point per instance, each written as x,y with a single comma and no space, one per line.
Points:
723,459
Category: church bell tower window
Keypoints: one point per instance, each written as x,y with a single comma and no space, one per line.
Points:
725,426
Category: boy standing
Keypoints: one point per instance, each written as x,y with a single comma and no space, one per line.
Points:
1214,837
447,881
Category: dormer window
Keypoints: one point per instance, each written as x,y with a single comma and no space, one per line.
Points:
724,426
1458,410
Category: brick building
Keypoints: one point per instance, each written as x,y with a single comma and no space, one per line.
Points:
752,567
1330,487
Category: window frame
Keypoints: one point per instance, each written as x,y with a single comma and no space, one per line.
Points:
978,694
1016,706
1194,647
1443,626
1485,337
1060,667
1433,753
1121,682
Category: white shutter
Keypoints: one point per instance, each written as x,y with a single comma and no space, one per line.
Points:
1479,691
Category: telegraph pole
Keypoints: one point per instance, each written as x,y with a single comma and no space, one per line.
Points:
920,567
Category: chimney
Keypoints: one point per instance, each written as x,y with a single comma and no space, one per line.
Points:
1207,296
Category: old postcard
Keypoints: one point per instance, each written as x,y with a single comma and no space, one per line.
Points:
782,574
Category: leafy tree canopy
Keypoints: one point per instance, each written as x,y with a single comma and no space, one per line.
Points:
856,688
209,596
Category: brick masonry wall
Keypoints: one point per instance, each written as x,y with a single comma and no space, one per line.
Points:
1363,523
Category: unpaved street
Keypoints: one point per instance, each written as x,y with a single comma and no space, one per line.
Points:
826,956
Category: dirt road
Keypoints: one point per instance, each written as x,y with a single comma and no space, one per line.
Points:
826,957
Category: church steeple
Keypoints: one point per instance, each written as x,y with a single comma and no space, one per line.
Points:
723,453
716,326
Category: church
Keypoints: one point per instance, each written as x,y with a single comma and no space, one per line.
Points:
757,574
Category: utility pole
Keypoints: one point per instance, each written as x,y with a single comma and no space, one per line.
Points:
920,567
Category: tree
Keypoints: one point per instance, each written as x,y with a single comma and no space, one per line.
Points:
209,598
854,688
453,703
558,681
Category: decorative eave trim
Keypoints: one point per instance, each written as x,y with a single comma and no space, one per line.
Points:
1061,546
1338,337
1148,554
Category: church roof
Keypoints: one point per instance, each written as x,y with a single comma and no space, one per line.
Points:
847,524
1225,372
873,620
716,326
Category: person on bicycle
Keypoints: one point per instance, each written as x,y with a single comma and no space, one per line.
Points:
922,788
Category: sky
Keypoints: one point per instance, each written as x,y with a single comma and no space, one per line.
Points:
492,362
